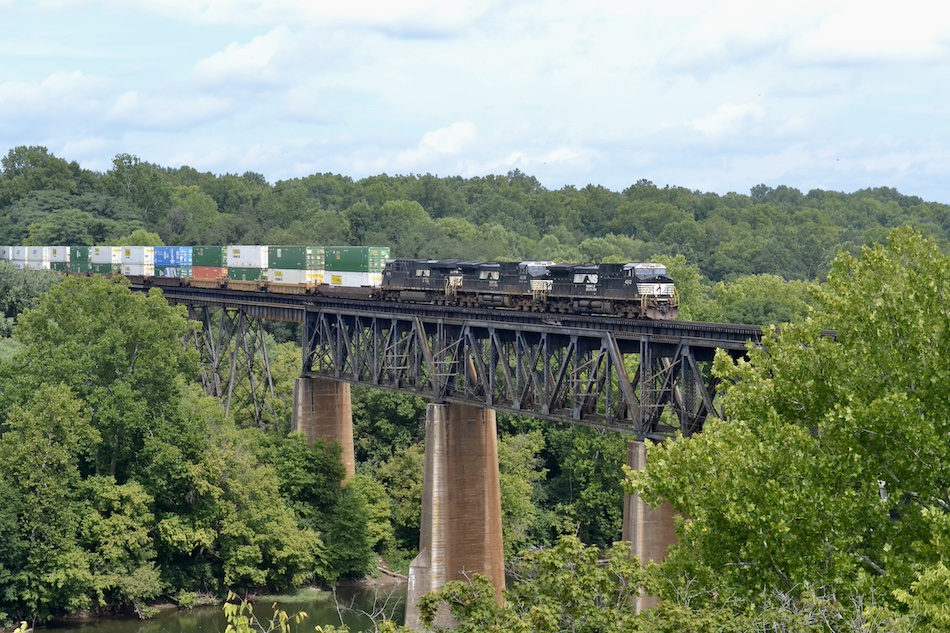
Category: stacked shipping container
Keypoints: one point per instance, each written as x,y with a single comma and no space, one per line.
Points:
173,261
345,266
138,261
296,264
247,263
106,260
209,262
354,266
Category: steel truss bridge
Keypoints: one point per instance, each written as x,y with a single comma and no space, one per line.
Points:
651,379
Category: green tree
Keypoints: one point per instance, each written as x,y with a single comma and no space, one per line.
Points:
831,470
521,475
19,290
378,512
26,169
42,445
122,354
569,587
193,217
222,519
760,300
69,227
385,422
401,475
403,225
142,184
141,237
115,529
349,550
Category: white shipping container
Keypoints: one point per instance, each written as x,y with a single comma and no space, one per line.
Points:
352,280
105,255
38,254
295,276
138,255
59,254
35,265
19,254
138,270
6,252
248,257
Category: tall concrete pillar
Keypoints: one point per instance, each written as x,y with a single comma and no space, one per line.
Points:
649,530
461,504
322,409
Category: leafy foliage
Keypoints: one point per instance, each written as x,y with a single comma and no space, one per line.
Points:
831,471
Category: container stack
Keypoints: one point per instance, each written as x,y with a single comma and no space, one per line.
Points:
59,258
18,256
138,261
37,257
296,265
355,266
209,262
248,263
106,260
173,261
6,253
80,259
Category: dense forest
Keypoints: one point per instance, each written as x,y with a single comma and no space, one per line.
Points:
122,483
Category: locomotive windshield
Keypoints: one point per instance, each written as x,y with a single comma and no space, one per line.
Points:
535,268
645,270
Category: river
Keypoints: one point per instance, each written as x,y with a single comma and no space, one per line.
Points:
320,607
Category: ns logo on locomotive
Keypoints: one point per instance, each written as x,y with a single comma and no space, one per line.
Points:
636,290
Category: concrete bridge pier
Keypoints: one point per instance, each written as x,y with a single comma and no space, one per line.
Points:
649,530
461,505
322,409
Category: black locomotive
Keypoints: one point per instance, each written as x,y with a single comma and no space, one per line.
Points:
636,290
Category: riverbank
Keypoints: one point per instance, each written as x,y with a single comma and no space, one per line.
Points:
358,605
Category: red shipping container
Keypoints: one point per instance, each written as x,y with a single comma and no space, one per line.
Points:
209,272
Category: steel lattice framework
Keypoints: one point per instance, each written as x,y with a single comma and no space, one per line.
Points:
631,381
651,379
234,362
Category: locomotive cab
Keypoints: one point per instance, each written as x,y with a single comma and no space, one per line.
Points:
654,287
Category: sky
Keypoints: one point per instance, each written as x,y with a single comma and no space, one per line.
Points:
711,96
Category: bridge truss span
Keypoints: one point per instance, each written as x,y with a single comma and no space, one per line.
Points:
647,382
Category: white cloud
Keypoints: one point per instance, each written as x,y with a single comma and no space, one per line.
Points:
556,156
145,112
257,62
862,32
410,17
728,118
450,140
60,92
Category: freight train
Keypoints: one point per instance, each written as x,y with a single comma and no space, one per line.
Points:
635,290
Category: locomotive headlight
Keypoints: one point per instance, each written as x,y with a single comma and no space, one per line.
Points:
655,289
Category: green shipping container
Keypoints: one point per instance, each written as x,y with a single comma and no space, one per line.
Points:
216,256
296,257
79,267
180,272
104,269
247,274
356,259
60,267
79,254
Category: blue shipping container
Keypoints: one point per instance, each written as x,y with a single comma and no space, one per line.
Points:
173,255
